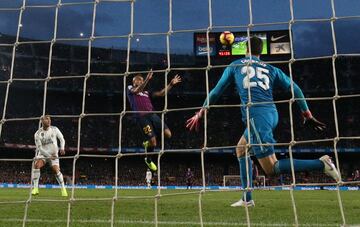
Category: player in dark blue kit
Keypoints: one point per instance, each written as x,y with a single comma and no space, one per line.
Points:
149,123
251,73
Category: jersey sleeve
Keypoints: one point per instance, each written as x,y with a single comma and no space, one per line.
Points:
225,80
60,136
284,82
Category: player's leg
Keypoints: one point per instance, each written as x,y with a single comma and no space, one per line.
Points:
245,176
260,133
262,127
167,133
149,146
39,163
150,143
157,123
272,166
267,164
59,176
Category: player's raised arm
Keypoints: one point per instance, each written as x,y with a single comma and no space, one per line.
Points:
60,136
309,120
223,83
174,81
141,87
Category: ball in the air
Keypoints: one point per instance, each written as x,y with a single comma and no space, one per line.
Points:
227,38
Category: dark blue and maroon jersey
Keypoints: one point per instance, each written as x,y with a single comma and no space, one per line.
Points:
140,101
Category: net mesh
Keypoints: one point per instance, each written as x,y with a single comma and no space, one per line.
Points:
130,39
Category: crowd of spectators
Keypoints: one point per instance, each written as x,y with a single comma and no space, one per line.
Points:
224,127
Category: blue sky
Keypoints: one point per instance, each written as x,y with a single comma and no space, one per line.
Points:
113,18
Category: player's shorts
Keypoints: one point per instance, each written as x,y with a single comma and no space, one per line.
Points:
52,161
148,181
150,125
261,130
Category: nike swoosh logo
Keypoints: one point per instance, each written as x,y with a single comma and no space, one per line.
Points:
277,38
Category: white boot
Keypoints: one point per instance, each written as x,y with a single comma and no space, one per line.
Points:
330,169
242,203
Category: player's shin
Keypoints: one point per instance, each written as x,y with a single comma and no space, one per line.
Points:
150,150
36,177
148,161
60,179
247,196
284,165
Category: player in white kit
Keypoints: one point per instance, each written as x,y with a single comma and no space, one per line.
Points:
47,152
148,178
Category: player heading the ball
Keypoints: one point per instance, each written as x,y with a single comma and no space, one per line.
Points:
149,123
250,73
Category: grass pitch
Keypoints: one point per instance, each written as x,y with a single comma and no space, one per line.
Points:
273,208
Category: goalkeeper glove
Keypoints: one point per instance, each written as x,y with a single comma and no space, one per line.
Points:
193,123
312,122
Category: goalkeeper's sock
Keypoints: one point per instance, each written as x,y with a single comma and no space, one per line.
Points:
36,177
60,179
243,177
284,165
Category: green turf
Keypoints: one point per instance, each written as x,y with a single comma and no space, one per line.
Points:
273,208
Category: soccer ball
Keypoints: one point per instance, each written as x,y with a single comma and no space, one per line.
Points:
227,38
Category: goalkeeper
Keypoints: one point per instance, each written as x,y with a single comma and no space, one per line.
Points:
261,78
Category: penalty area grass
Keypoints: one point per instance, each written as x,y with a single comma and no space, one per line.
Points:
177,208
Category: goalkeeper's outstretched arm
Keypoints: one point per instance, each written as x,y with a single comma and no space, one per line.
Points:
308,119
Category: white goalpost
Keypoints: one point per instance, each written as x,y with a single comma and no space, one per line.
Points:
120,154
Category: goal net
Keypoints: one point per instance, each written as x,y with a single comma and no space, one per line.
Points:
74,60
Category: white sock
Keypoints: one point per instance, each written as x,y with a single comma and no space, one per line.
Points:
36,177
60,179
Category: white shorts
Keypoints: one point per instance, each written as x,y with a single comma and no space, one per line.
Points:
148,181
53,161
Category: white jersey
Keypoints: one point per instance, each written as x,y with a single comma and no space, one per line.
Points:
46,141
148,175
